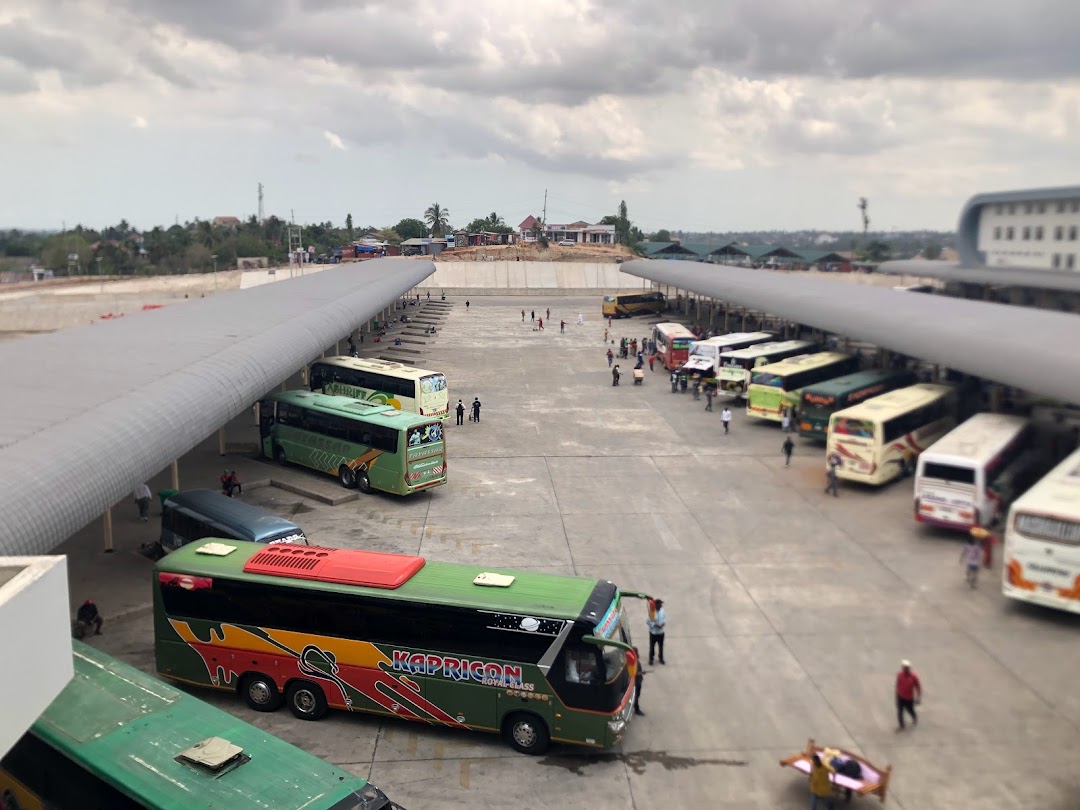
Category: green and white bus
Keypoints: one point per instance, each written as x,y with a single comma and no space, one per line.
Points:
116,738
733,368
382,382
821,401
776,386
534,656
371,447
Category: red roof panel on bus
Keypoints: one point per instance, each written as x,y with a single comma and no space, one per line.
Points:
374,569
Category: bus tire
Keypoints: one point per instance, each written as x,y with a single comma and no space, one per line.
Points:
346,477
363,483
280,457
306,700
260,692
526,733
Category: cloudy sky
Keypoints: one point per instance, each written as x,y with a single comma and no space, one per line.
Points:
701,114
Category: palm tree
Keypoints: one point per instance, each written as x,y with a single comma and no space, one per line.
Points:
437,218
495,220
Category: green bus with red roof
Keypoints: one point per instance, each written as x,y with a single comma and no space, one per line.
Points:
536,657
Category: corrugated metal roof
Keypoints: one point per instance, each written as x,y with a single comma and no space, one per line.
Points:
89,413
1027,348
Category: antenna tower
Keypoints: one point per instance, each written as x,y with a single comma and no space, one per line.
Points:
543,216
262,217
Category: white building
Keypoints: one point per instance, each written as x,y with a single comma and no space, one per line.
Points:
1037,229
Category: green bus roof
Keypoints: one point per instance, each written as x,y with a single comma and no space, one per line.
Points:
127,728
555,596
852,382
386,415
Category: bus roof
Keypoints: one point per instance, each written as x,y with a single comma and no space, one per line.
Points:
765,349
977,440
674,330
853,382
233,512
802,362
348,406
735,337
1057,494
554,596
128,728
375,364
901,400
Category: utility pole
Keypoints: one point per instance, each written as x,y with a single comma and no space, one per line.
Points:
260,203
543,216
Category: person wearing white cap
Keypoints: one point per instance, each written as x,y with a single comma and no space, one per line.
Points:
908,693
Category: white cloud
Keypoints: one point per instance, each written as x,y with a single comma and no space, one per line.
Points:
334,140
139,122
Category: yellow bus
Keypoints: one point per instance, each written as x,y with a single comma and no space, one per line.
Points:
881,439
623,305
779,385
382,382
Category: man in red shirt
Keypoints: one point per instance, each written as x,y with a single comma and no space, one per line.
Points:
908,693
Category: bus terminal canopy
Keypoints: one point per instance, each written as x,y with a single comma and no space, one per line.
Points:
1030,349
91,412
1060,280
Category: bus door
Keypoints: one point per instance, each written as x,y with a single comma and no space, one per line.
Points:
267,419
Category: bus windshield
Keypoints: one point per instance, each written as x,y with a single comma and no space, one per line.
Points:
764,378
862,428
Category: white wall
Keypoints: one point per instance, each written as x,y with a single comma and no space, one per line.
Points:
35,641
1033,252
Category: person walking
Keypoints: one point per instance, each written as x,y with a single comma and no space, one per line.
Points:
476,409
466,304
908,694
674,382
523,316
581,320
610,357
831,481
697,388
657,623
709,393
606,333
987,540
639,681
460,412
683,381
725,419
562,327
785,420
142,501
787,448
652,359
532,315
972,556
547,313
540,323
821,788
615,375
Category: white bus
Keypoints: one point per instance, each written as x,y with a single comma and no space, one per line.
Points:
382,382
970,476
705,354
880,439
733,373
1042,541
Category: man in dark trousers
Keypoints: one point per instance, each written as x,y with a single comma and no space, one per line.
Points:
657,624
88,616
908,693
460,412
476,409
639,680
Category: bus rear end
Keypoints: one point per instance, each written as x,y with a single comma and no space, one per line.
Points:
433,398
425,461
947,492
813,414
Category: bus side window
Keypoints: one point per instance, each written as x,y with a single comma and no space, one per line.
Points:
581,666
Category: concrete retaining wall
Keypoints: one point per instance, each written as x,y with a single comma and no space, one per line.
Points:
530,278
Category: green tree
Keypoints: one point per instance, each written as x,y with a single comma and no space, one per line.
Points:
479,224
437,219
661,235
348,226
410,228
55,252
932,251
389,235
197,259
610,219
875,251
622,225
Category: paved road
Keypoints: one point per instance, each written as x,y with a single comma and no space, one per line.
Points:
788,610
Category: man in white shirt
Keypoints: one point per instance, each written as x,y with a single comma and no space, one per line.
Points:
657,625
142,500
725,417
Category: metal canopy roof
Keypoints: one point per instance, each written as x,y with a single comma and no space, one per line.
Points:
89,413
1027,348
1062,280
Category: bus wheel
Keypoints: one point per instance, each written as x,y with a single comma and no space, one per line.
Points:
346,477
306,700
363,483
260,692
280,457
526,733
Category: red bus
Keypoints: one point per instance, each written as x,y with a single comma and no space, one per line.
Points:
673,342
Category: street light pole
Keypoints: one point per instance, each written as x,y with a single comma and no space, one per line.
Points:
100,279
214,257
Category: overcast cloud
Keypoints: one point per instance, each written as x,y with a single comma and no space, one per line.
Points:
702,114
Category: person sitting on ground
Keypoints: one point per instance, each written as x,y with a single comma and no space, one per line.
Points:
230,483
88,615
397,341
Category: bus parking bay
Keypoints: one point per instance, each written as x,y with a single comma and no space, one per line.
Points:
788,610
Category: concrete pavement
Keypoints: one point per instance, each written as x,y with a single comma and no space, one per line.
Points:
788,610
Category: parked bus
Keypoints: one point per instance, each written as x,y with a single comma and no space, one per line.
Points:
776,386
531,655
200,513
623,305
366,446
116,738
735,367
880,439
672,344
1042,541
382,382
969,477
705,354
821,401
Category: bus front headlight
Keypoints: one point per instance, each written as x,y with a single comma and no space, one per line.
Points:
617,725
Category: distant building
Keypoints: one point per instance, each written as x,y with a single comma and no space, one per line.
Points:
1037,229
226,222
580,232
